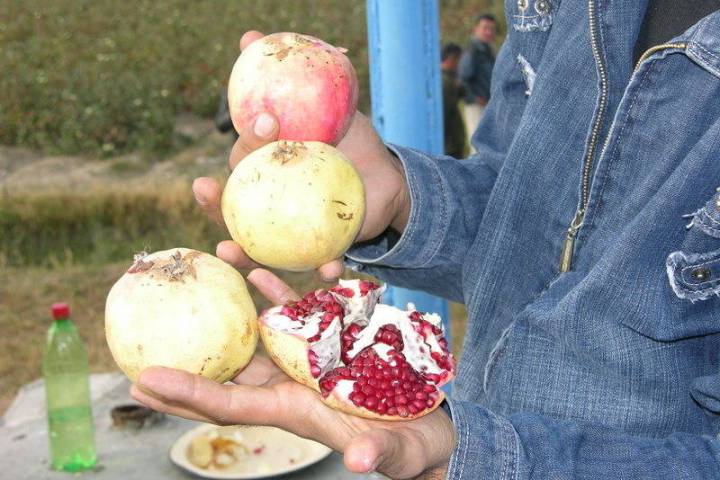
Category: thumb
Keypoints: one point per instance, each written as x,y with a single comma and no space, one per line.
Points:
263,130
389,452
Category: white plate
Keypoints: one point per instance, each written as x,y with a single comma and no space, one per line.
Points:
279,447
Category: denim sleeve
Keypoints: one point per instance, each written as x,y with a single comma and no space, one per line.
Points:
448,198
530,446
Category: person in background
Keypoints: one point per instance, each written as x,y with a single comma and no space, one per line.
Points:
475,70
454,127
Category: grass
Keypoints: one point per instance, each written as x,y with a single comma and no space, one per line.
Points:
105,76
97,226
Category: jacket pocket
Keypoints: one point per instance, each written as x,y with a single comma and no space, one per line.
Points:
532,15
694,276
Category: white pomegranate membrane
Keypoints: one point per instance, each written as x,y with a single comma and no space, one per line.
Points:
374,359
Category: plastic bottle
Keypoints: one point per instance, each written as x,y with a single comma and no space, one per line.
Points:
67,394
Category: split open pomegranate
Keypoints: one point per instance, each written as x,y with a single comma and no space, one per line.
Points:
365,358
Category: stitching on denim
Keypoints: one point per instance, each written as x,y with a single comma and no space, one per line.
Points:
700,52
676,262
528,73
537,23
443,215
494,354
516,463
465,444
704,221
698,286
613,155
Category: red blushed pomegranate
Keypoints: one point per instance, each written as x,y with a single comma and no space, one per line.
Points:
365,358
309,85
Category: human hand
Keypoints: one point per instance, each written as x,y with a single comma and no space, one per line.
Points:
386,197
264,395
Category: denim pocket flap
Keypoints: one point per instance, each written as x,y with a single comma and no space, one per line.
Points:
694,276
533,15
707,218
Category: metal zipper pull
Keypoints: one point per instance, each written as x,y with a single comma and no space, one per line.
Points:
566,254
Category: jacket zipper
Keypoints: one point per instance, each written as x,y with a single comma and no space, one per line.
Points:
566,255
657,48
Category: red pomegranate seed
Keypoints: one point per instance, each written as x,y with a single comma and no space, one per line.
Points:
368,390
371,403
419,404
403,411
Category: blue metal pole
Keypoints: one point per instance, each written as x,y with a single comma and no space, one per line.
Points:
404,50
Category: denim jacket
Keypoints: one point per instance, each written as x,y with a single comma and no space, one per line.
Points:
610,366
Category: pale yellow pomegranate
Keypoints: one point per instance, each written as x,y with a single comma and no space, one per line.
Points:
294,205
183,309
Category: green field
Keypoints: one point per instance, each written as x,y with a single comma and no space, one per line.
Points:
109,76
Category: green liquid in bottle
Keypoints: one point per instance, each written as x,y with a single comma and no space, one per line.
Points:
67,393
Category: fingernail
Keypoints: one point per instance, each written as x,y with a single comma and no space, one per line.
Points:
264,125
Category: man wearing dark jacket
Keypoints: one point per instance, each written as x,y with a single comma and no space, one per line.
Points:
476,68
453,125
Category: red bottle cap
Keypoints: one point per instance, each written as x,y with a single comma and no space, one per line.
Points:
60,311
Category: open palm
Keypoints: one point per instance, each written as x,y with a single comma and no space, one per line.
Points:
263,395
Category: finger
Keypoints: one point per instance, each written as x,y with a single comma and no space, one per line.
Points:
249,37
258,372
272,288
387,451
207,194
159,406
233,254
331,271
263,131
223,404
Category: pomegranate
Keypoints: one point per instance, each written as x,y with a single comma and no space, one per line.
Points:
183,309
309,85
366,359
294,205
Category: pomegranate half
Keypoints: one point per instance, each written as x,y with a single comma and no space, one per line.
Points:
294,205
309,85
366,359
182,309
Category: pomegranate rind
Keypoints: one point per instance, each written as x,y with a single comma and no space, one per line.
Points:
309,85
294,205
289,352
199,318
338,403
